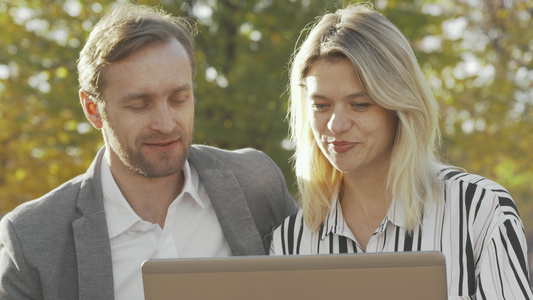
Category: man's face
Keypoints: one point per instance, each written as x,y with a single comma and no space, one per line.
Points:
148,116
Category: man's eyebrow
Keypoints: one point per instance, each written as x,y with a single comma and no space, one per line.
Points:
133,96
129,97
185,87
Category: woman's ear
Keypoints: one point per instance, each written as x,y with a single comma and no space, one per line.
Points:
90,108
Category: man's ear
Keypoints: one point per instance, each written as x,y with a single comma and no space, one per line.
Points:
90,108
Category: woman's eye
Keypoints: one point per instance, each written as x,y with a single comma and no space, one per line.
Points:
361,106
319,106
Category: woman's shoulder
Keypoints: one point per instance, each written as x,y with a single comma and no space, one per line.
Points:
291,226
283,239
475,191
291,221
456,176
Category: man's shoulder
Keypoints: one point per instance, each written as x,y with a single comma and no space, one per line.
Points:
57,201
213,156
210,150
246,162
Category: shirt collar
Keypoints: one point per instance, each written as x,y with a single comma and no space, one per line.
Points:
396,214
119,214
336,224
191,185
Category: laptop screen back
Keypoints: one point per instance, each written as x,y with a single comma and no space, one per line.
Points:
413,275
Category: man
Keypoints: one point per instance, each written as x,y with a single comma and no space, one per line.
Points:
149,193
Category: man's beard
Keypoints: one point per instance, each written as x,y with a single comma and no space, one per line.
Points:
167,164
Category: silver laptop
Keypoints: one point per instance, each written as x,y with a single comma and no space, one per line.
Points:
408,275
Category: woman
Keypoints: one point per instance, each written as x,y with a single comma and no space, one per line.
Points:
365,126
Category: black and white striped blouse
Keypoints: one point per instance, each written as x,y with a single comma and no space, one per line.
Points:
476,227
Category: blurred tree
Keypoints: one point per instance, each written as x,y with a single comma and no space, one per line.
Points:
476,54
44,138
487,96
242,53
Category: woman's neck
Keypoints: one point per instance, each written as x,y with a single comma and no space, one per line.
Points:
364,201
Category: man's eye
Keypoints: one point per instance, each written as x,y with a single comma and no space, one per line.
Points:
138,107
177,100
178,97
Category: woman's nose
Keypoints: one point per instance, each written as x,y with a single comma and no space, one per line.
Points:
339,121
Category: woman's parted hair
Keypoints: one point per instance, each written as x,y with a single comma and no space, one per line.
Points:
390,74
125,30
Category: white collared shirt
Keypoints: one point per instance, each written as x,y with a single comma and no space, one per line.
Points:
191,230
476,226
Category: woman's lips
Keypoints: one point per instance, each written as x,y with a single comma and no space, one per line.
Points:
342,146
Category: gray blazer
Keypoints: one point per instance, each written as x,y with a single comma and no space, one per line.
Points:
57,247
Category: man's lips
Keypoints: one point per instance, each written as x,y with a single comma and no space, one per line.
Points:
342,146
163,146
161,143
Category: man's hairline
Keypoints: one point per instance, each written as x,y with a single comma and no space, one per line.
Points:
102,82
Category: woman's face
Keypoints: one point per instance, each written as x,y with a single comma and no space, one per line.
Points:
354,132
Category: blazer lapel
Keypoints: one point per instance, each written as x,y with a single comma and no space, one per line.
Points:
95,270
232,211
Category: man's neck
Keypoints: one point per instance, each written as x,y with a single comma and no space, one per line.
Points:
148,197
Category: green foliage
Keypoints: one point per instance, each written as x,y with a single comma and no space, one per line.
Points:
477,56
44,139
487,96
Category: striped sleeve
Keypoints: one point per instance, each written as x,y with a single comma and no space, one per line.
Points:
286,240
502,270
488,259
476,226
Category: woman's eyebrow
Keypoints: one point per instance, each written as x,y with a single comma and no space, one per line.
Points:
357,95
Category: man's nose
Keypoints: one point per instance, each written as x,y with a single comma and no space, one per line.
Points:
162,119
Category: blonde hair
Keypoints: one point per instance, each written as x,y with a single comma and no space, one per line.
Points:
390,74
